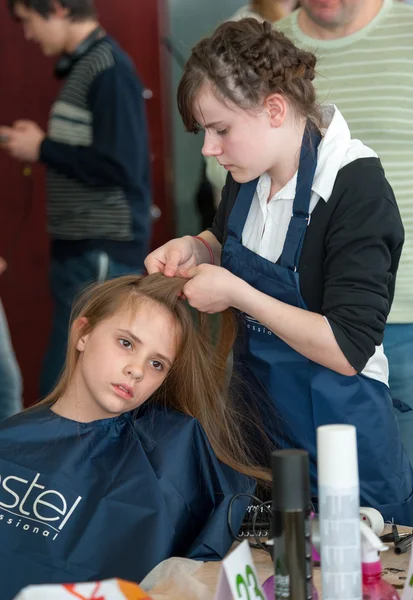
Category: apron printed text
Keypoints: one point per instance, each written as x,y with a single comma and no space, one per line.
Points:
254,325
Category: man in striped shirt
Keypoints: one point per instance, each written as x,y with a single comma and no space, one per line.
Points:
365,67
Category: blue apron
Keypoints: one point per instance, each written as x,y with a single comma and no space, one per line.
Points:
113,498
295,394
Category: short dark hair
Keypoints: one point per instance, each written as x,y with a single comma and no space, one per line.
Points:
79,10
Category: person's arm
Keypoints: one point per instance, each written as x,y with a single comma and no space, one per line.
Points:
363,250
119,150
203,255
363,247
307,332
214,236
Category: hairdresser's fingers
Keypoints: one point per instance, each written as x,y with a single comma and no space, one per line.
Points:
173,260
154,264
189,273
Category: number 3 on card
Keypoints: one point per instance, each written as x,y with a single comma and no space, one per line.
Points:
238,578
252,585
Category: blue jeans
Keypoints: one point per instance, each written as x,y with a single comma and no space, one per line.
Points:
398,346
10,377
67,279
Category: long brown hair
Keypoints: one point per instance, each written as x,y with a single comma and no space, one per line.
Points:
196,383
245,61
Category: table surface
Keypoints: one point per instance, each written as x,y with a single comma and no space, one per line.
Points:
394,571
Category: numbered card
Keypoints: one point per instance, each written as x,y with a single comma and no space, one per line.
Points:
408,586
238,579
112,589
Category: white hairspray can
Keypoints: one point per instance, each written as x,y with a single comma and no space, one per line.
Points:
339,508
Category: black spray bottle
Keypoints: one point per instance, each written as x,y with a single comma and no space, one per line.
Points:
292,526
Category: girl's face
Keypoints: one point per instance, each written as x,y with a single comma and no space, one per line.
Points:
124,360
242,141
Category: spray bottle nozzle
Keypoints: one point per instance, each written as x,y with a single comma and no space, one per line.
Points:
371,545
374,587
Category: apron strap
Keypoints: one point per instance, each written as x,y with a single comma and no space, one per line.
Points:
300,219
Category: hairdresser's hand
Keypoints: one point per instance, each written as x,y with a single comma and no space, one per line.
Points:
173,257
212,289
23,140
3,265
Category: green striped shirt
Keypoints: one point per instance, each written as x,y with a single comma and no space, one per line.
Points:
369,76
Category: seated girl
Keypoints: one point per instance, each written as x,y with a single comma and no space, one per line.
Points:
134,456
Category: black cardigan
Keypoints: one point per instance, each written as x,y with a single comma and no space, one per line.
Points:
350,256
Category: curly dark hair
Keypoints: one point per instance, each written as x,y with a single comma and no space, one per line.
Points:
246,61
79,10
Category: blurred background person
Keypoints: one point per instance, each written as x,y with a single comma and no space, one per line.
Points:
10,376
96,153
262,10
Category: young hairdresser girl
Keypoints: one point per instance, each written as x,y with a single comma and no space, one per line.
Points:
263,10
308,236
90,490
